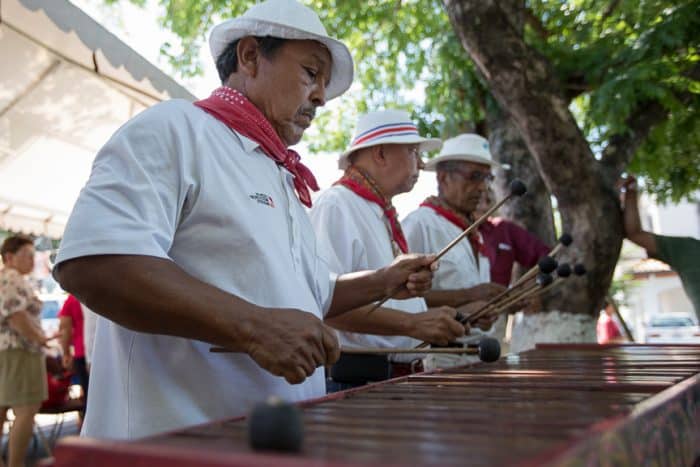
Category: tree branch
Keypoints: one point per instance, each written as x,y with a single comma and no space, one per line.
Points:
536,24
621,147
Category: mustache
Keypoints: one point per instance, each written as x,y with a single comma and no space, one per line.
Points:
308,111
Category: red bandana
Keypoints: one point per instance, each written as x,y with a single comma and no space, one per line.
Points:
362,185
457,218
236,111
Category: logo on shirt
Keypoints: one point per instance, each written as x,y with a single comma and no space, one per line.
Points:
262,198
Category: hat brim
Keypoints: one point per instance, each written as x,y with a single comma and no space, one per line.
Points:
424,145
431,164
342,70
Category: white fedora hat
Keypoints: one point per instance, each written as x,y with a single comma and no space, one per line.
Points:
386,127
467,147
286,19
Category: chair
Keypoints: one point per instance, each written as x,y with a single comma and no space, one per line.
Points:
48,439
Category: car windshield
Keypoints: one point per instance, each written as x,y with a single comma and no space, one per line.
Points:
671,322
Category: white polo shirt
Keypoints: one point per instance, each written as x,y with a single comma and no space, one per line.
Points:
428,232
176,183
353,235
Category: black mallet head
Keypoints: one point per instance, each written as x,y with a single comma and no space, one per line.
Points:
543,280
547,264
565,239
564,270
276,425
489,349
579,269
517,188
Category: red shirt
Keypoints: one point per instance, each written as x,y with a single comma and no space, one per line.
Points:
506,243
74,310
607,329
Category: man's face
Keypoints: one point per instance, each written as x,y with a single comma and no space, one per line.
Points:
403,167
290,85
484,204
465,186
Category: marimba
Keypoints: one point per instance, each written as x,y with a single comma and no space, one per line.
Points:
557,405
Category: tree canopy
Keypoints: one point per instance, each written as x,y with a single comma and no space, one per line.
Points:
619,60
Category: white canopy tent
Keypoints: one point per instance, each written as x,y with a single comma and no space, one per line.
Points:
66,84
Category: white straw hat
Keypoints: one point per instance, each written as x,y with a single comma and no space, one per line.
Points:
386,127
465,147
286,19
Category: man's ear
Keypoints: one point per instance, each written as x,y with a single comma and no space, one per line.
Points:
248,52
441,177
379,155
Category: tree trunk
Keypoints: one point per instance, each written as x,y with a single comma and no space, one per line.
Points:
523,82
534,210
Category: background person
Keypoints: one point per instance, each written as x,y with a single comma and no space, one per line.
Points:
463,169
506,243
682,254
607,329
72,340
357,228
22,365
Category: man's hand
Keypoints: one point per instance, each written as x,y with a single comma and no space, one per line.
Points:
436,326
409,276
485,322
292,344
630,216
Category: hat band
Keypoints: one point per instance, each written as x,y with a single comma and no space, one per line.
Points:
385,131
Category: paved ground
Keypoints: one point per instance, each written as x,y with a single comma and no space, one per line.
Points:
46,424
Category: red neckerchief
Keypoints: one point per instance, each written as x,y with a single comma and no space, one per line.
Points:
235,110
362,185
457,218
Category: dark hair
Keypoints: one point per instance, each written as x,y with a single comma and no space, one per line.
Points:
13,244
227,62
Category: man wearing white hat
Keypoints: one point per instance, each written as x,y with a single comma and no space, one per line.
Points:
192,232
357,229
463,169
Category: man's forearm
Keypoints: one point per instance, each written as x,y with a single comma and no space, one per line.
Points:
382,321
154,295
355,290
633,225
453,298
21,323
65,334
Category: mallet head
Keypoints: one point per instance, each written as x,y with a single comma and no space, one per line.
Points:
517,188
543,280
564,270
489,349
565,239
547,264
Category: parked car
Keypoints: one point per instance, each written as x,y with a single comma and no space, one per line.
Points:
672,329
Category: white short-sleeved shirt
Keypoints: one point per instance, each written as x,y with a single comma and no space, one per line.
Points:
428,232
176,183
353,235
